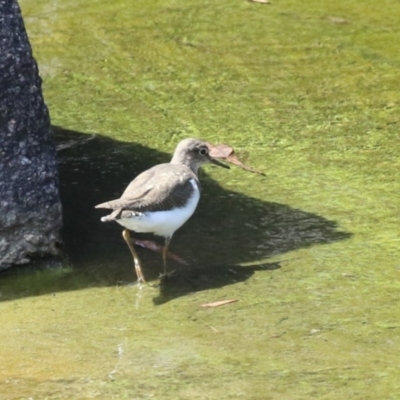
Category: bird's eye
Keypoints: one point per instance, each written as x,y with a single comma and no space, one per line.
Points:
203,151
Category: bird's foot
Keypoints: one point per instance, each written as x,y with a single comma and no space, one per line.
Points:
167,275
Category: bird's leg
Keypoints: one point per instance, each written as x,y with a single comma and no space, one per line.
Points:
153,246
165,254
138,268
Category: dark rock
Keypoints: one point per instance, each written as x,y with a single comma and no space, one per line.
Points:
30,208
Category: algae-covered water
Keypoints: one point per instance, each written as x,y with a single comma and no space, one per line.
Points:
309,93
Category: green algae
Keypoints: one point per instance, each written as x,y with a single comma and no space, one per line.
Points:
308,93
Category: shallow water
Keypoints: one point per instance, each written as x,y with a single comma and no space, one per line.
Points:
307,93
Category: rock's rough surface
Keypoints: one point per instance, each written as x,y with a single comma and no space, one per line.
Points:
30,208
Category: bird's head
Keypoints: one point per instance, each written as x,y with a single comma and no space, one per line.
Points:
194,153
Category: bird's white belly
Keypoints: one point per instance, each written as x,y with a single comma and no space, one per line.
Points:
163,223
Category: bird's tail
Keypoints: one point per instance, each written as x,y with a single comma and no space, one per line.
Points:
112,217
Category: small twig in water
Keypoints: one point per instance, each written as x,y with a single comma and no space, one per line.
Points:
218,303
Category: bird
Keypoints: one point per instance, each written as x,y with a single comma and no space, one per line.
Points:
161,199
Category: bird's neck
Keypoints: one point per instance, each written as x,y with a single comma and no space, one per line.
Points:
179,159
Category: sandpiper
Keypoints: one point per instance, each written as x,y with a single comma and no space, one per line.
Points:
161,199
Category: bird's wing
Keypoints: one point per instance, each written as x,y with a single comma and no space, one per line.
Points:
156,189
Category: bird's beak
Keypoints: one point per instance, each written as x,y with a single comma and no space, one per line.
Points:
219,163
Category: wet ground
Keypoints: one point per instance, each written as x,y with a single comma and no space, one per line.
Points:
307,93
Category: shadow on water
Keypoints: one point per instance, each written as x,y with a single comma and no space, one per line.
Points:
227,229
195,279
